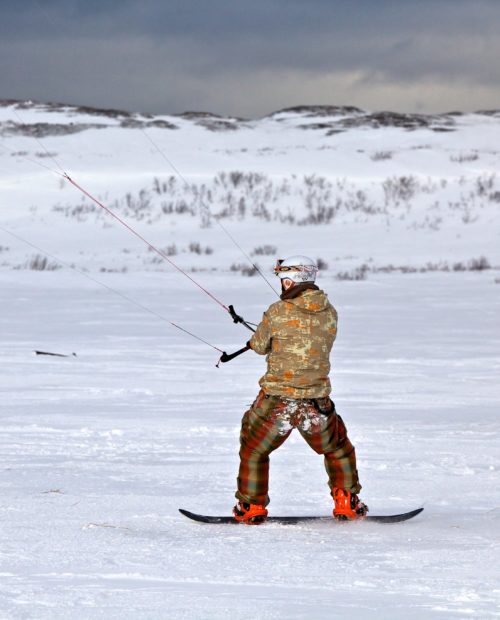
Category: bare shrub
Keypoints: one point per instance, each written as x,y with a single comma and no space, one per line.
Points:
398,189
321,264
478,264
429,222
169,250
262,212
80,211
164,187
41,263
285,218
264,250
113,269
44,130
358,201
311,200
244,269
157,186
138,206
318,201
242,208
196,248
386,269
465,157
475,264
219,125
236,178
439,266
484,184
182,207
381,155
319,214
360,273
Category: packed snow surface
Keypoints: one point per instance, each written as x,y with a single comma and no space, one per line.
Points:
101,448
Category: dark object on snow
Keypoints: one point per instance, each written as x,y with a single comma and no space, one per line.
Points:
295,520
54,354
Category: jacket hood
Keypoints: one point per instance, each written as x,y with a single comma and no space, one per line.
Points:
310,301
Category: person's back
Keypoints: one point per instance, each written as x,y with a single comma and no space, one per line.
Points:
296,334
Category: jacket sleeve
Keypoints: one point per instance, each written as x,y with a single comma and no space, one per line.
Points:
260,342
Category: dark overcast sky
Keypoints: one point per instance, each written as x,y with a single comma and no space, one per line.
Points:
249,58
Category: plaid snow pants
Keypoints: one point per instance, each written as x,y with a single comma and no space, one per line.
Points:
269,422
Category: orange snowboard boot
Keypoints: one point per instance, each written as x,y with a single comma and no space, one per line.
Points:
347,505
252,514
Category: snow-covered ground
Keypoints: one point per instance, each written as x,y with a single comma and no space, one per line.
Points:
99,450
351,190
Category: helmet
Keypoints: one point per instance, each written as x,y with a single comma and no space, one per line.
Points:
296,268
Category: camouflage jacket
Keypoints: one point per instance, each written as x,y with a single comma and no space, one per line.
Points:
297,336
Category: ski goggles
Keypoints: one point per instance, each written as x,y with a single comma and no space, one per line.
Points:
279,268
284,269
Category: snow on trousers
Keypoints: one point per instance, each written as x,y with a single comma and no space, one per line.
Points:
267,425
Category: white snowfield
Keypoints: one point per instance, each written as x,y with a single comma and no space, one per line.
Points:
99,450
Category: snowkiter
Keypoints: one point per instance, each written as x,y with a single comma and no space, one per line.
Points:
296,334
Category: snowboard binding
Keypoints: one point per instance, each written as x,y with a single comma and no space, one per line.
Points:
251,514
347,505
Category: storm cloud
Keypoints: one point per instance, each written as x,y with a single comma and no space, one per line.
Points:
250,58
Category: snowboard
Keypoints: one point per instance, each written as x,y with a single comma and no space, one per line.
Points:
305,519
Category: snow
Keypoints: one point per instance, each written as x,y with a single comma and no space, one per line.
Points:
99,451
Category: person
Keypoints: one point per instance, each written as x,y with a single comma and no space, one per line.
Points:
297,335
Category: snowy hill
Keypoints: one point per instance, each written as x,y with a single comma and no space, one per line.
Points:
100,449
361,191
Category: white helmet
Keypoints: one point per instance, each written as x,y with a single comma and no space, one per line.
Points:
296,268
